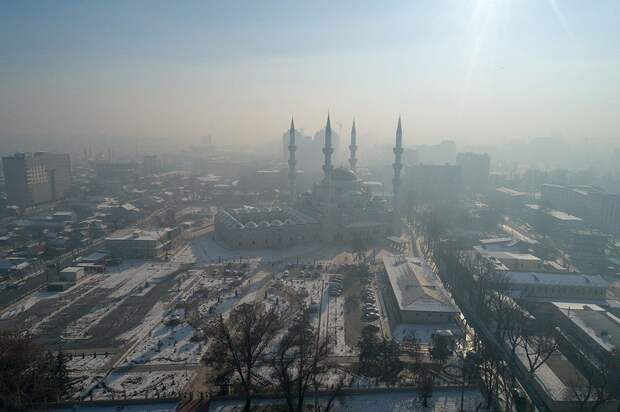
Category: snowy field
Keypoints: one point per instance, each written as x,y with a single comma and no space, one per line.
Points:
170,341
206,250
150,384
443,400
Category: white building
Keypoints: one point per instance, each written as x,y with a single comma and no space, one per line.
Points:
142,244
551,286
72,274
415,294
253,227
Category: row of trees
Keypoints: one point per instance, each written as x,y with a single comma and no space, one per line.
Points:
256,349
487,293
29,374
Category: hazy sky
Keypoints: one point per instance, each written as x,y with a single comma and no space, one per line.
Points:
477,70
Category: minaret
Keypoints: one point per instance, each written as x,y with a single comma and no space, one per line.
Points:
398,151
328,150
353,148
327,220
292,173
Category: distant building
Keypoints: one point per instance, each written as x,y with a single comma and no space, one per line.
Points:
587,250
590,329
142,244
433,184
506,197
151,164
551,286
505,260
594,205
35,178
415,295
440,154
255,228
72,274
475,170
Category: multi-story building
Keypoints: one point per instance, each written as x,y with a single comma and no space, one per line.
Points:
433,184
475,169
35,178
142,244
535,286
591,330
594,205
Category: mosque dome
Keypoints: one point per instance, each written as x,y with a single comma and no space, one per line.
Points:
251,225
342,174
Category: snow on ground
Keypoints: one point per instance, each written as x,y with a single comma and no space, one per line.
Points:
443,400
132,276
141,384
168,343
23,305
79,365
336,326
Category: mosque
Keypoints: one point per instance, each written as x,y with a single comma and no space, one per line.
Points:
338,208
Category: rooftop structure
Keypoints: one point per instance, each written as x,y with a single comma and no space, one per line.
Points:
254,227
592,329
141,244
507,260
416,293
536,285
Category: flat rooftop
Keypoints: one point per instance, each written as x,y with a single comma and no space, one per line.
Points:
507,255
510,192
601,326
130,234
562,279
567,217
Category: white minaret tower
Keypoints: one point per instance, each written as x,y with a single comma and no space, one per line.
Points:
292,173
327,221
328,150
353,148
398,151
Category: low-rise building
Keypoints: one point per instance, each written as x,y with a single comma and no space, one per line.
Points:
253,228
415,295
552,286
504,260
592,328
72,274
142,244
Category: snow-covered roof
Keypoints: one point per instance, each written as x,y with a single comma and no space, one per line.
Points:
601,326
564,279
416,288
565,217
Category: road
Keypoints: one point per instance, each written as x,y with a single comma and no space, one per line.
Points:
482,329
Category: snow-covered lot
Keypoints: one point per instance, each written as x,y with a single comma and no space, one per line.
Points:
151,384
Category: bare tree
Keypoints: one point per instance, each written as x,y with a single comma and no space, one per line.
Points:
538,349
594,390
29,374
425,382
239,342
300,362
